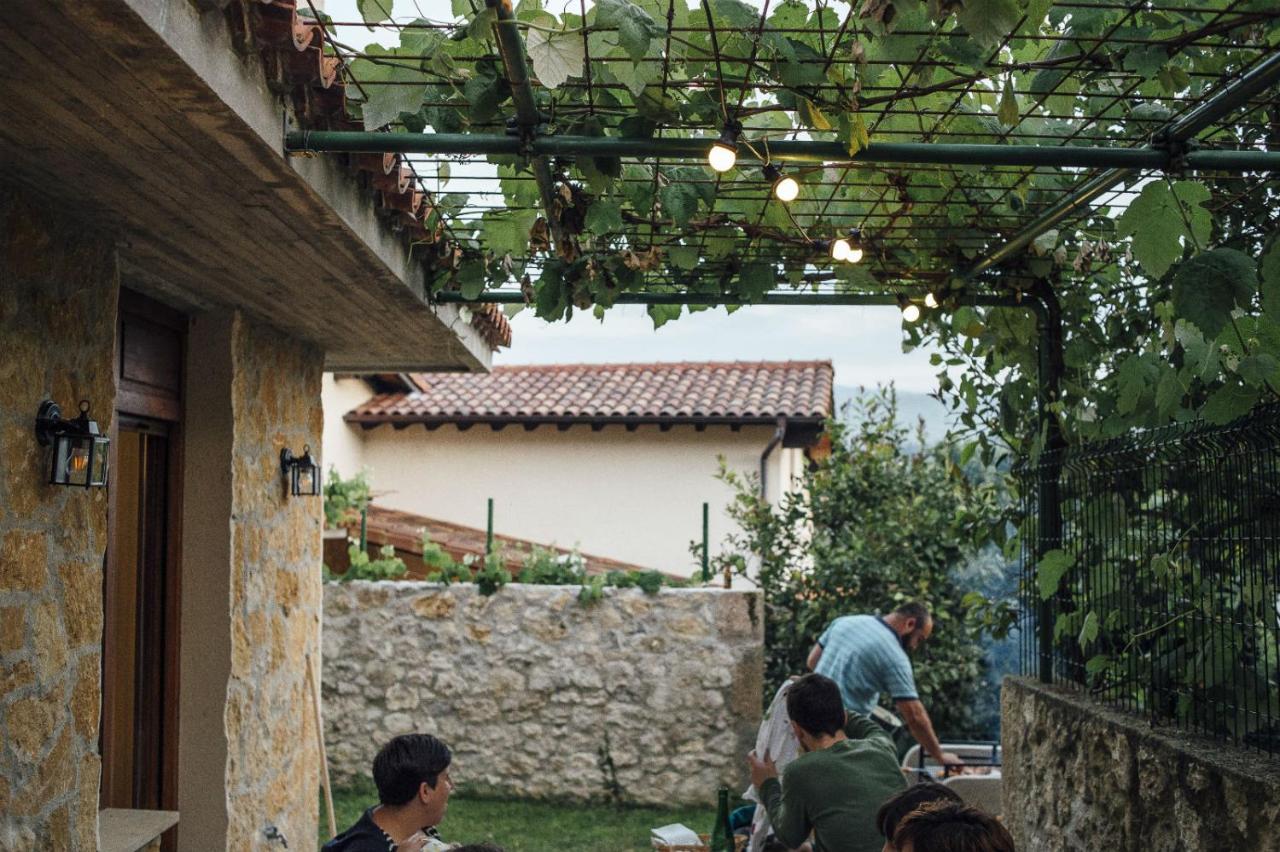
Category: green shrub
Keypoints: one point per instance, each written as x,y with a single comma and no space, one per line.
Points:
387,566
345,499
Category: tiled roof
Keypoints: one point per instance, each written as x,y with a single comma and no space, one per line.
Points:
292,51
739,392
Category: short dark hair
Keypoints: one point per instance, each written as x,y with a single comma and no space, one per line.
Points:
814,703
952,827
900,804
406,762
914,609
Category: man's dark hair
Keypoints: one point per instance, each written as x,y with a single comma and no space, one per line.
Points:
900,804
952,827
407,761
814,703
913,609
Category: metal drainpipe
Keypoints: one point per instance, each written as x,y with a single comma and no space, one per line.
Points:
778,434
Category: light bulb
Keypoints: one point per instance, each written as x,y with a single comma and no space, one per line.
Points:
78,461
840,249
930,301
855,254
786,189
911,313
722,157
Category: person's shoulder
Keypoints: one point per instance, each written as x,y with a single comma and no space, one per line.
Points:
363,836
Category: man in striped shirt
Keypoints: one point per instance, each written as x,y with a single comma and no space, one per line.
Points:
867,655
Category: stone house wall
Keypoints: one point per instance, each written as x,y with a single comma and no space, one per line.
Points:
647,699
58,293
273,768
1081,776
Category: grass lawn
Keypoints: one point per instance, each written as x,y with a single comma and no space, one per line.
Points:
525,826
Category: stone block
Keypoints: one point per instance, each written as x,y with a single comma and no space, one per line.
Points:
13,628
81,602
24,565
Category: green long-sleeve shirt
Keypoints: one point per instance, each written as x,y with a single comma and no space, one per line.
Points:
835,793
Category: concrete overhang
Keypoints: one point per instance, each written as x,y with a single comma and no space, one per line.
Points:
141,118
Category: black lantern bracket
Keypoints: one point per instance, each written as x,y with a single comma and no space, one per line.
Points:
301,471
80,450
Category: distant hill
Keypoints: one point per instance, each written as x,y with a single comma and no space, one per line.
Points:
911,405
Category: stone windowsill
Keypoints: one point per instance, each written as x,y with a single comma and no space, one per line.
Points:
124,830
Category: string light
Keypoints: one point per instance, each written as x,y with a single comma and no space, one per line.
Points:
930,300
724,153
910,310
840,249
785,188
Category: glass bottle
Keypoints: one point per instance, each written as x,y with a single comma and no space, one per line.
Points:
722,834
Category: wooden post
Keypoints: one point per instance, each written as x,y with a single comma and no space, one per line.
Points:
324,759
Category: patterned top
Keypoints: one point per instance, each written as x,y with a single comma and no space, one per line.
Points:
864,656
366,836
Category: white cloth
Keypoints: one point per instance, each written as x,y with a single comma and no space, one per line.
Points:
776,741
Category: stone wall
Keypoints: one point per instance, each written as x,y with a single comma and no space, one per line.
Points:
272,771
649,699
58,291
1081,776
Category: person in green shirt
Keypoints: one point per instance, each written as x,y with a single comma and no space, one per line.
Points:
847,768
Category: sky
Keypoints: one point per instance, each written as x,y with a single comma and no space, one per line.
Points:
864,343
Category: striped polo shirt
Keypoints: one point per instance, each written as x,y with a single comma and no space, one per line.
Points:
864,657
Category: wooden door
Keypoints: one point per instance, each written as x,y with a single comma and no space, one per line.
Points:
139,736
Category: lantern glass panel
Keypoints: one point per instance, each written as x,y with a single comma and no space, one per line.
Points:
99,460
71,460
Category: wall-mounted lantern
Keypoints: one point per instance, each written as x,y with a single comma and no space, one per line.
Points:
302,471
80,450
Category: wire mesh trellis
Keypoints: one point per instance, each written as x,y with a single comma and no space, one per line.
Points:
1159,591
1082,84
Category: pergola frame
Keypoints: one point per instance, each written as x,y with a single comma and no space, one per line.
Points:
1172,151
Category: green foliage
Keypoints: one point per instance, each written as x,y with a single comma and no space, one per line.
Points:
871,527
492,575
387,566
344,499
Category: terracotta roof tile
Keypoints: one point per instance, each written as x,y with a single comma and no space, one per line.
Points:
736,392
292,51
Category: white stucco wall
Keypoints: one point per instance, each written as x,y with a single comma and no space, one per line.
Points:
633,496
343,445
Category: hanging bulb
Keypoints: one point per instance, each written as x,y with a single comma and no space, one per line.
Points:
785,188
930,300
911,312
855,254
840,249
724,153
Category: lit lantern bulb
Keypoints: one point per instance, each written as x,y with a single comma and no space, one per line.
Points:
841,250
722,157
855,254
930,301
786,189
78,461
911,313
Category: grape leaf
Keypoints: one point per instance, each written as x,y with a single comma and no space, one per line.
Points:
1209,286
636,27
1050,571
1259,369
663,314
556,56
989,21
683,257
1089,630
1229,402
374,11
603,216
756,278
387,102
1158,221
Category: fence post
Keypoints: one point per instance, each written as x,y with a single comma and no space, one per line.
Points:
364,530
1049,470
706,543
488,531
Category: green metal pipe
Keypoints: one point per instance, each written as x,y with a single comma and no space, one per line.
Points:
794,151
511,48
511,297
1231,97
488,531
707,544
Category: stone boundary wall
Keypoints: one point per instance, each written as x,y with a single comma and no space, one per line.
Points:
1078,775
642,698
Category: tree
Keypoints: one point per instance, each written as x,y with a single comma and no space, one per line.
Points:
870,527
